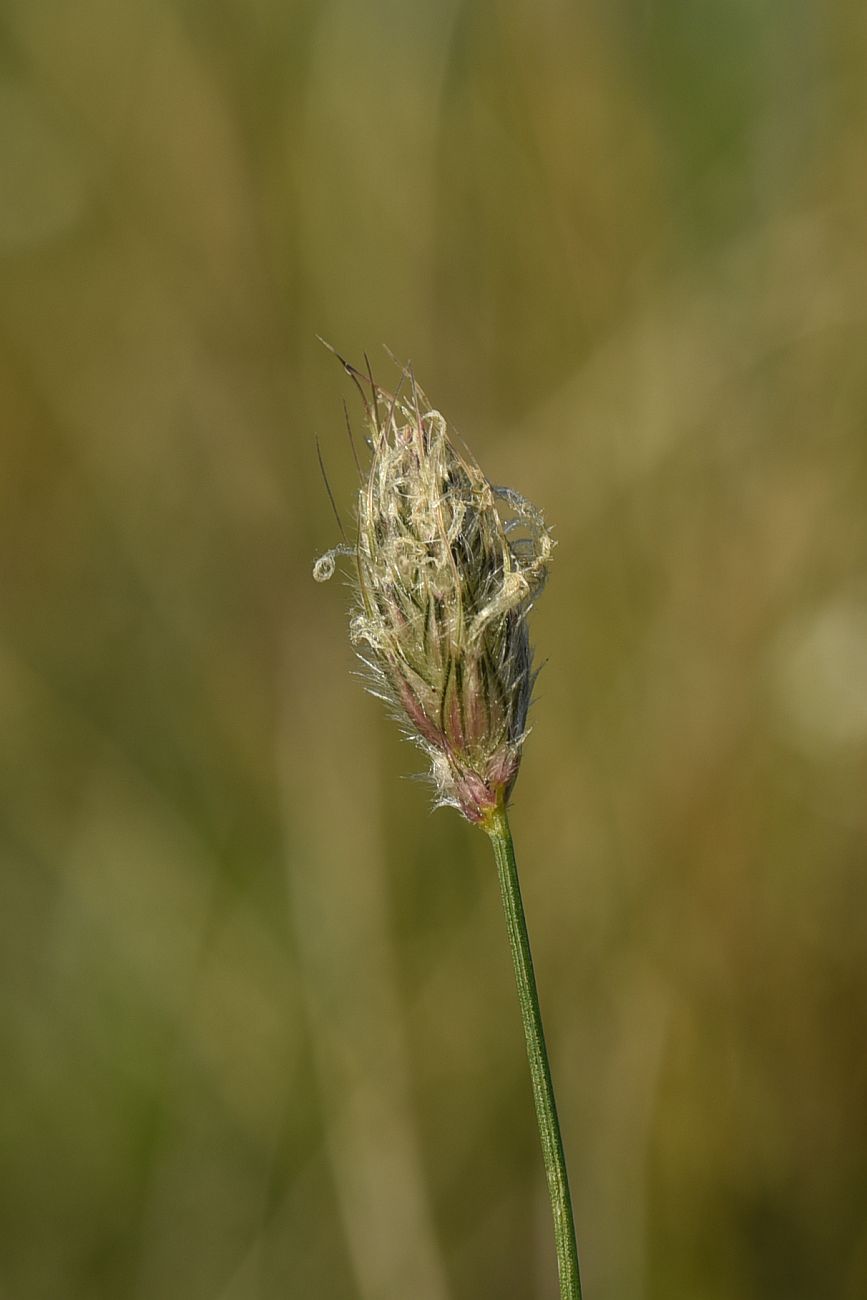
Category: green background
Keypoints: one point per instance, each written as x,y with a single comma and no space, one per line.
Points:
258,1032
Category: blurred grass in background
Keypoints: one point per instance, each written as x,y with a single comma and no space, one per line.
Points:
257,1025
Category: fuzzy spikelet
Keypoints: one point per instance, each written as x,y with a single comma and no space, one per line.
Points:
447,569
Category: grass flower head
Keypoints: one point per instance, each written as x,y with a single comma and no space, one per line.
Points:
448,567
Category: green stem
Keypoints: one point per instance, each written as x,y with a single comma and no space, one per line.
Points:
497,827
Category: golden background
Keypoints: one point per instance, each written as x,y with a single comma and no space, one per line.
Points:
258,1030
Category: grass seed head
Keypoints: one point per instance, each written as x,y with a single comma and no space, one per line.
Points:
448,567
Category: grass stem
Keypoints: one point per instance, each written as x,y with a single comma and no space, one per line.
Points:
497,826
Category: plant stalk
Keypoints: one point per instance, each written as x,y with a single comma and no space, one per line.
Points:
497,826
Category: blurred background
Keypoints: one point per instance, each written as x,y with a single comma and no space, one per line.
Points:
258,1029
